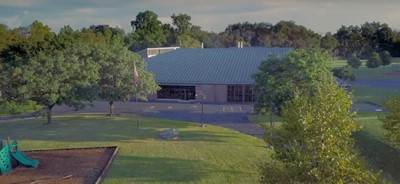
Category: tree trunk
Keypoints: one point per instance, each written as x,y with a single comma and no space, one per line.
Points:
49,113
111,108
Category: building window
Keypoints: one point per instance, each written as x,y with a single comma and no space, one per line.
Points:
235,94
248,94
177,92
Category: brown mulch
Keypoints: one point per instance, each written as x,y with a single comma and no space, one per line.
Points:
66,166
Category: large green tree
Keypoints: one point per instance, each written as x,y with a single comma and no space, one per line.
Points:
46,69
386,58
182,23
374,61
315,143
49,76
391,120
148,31
354,61
117,75
279,77
329,43
345,73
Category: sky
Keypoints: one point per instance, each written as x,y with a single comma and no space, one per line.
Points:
320,16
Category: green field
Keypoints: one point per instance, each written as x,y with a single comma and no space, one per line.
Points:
201,155
372,94
374,148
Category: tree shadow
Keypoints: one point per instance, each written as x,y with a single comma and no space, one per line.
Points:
101,128
379,154
162,169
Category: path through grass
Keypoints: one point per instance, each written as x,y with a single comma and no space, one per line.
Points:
201,155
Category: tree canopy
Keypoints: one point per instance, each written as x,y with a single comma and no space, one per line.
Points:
279,78
68,68
315,144
391,120
148,30
116,73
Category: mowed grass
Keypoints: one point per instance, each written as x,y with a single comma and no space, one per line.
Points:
201,155
375,149
376,95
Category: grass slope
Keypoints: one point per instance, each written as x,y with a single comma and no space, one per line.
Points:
373,147
375,95
201,155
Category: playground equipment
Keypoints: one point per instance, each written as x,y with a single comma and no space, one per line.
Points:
10,153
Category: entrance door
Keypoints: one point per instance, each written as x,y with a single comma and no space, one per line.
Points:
176,92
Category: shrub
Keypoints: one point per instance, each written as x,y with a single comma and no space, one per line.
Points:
374,61
386,58
354,61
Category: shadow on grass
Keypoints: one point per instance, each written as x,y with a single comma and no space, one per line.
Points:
101,128
157,169
195,116
379,154
161,169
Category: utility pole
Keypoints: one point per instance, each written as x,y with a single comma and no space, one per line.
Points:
202,110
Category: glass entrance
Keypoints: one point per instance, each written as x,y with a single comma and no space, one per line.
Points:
177,92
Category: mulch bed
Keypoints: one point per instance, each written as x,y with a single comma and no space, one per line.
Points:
64,166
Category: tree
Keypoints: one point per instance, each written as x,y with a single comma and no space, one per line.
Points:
385,58
202,36
315,145
354,61
117,75
391,120
182,23
170,35
186,41
148,31
329,43
374,61
289,34
278,78
47,76
350,41
345,73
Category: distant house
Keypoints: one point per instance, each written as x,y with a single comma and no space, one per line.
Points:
150,52
218,74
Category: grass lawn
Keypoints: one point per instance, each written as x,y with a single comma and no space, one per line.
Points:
201,155
375,95
265,122
28,107
379,154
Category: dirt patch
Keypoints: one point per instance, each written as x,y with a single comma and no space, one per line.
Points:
66,166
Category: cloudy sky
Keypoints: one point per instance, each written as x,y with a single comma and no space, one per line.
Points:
212,15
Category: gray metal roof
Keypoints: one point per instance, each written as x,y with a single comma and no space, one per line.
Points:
210,66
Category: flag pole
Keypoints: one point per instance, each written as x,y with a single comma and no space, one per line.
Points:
137,92
137,110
